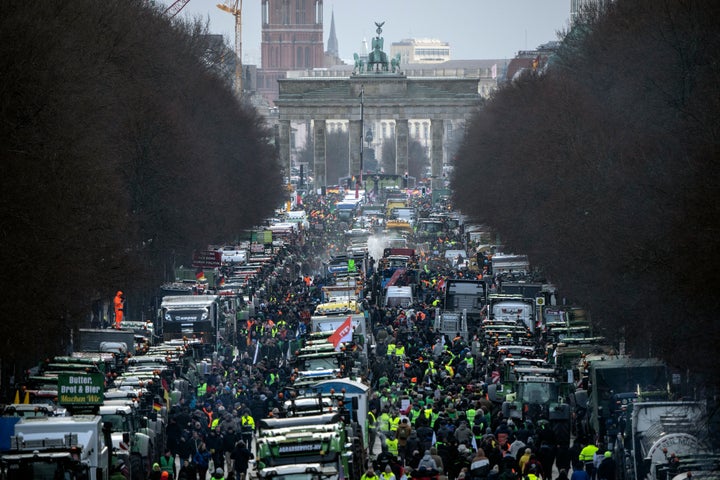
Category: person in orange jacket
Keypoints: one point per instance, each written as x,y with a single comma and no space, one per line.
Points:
118,302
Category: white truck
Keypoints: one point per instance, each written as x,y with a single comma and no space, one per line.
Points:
131,439
512,308
668,438
48,448
191,316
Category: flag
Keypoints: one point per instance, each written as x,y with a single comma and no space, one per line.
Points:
257,350
200,274
434,439
342,334
157,406
493,71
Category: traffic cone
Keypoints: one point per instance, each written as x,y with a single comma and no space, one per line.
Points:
17,396
27,398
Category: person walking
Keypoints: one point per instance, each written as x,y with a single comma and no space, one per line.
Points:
201,459
607,468
241,457
587,456
167,463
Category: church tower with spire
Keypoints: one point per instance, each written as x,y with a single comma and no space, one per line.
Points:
332,45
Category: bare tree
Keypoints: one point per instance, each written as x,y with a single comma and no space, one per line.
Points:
603,169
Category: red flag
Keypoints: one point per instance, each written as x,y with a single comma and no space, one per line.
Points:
342,334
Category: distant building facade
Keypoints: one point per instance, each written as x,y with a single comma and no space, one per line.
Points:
421,51
291,39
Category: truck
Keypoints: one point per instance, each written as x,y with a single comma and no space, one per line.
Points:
401,297
131,439
451,324
320,436
665,438
613,376
513,307
105,340
361,335
48,448
465,295
188,316
510,263
540,396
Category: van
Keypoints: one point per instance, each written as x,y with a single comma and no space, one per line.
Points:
399,297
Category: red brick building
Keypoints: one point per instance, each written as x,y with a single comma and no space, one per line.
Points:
292,39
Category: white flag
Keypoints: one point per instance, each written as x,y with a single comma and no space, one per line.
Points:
493,71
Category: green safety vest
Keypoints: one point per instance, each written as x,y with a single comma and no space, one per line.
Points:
391,349
392,445
202,389
394,422
470,415
434,417
371,420
214,423
384,422
400,351
414,414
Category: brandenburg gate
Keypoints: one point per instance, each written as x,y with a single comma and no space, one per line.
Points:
387,94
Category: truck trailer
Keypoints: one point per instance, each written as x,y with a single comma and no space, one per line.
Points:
48,448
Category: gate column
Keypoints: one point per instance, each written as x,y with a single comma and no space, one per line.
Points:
436,156
354,145
284,146
402,133
320,156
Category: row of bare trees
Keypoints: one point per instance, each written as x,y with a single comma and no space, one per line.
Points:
123,151
604,168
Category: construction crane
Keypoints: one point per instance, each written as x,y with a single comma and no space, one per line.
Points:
175,8
236,11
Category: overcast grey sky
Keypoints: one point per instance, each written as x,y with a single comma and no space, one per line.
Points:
475,29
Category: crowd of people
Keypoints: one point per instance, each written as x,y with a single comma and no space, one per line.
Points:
429,412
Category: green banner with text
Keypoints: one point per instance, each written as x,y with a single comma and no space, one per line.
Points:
81,388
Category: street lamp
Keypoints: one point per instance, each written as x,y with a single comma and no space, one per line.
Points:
362,127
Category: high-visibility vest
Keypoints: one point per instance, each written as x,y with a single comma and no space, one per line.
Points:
384,422
435,416
387,475
371,420
248,422
470,415
202,389
428,413
400,351
392,445
588,453
394,422
391,349
414,414
470,362
214,423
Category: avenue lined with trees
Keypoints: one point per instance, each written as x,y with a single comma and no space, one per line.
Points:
605,166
